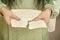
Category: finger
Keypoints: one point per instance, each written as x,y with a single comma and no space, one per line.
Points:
47,20
15,17
8,21
37,18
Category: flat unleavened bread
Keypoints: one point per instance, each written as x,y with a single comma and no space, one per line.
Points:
25,16
37,24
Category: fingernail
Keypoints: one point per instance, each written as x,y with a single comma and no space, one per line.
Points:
32,20
18,19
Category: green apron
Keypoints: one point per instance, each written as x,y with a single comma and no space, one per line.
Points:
8,33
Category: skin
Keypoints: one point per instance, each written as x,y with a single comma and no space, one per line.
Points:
8,15
45,15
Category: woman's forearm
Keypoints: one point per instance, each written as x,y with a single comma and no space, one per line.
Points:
2,7
3,10
48,11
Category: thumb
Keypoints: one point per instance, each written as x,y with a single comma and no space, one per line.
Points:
37,18
15,17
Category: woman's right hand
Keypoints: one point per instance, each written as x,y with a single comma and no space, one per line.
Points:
8,15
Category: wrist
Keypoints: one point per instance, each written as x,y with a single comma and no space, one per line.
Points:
49,11
3,10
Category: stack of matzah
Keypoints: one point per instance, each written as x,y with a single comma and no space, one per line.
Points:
25,16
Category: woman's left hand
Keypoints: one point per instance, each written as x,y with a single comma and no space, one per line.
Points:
45,15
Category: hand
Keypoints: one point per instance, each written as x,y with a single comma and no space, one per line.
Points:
8,15
45,15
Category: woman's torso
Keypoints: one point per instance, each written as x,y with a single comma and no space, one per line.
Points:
24,4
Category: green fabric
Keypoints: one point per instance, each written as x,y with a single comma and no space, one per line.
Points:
21,33
8,33
27,34
4,29
24,4
31,4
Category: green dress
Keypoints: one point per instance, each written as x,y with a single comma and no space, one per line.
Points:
8,33
22,33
